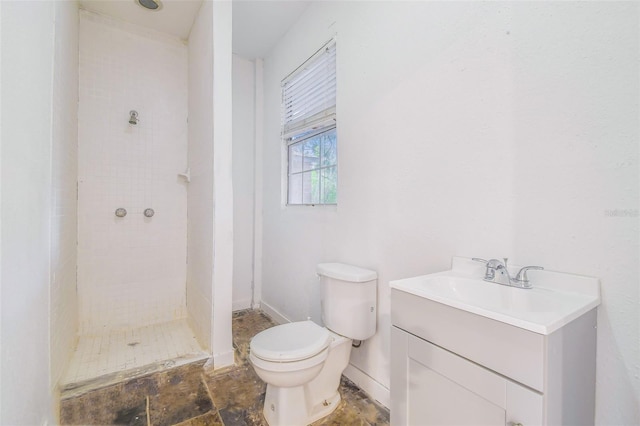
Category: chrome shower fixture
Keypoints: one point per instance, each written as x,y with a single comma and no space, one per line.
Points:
150,4
133,117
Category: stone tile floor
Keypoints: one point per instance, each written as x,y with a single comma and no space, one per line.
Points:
192,396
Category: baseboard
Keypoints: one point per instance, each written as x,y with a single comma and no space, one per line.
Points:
223,360
365,382
273,313
368,384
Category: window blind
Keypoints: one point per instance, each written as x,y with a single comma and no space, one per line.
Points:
309,95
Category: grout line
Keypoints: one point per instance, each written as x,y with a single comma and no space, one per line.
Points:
206,386
148,414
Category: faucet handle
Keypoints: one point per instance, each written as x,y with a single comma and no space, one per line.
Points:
477,259
522,273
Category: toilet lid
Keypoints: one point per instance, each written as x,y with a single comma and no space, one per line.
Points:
290,342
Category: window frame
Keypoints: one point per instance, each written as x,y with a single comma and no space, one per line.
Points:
313,125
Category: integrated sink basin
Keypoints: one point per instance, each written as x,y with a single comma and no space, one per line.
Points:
555,299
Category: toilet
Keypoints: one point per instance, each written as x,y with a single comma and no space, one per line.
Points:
302,362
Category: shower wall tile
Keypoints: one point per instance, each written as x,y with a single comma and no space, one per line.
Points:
131,270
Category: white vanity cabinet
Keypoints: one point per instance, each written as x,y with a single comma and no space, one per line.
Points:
441,388
450,366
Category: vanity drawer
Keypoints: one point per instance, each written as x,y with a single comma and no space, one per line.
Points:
505,349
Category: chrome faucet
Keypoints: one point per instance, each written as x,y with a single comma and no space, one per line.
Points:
498,273
521,280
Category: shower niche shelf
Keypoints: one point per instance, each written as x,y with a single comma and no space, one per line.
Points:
186,175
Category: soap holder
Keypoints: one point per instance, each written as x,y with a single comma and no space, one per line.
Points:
186,175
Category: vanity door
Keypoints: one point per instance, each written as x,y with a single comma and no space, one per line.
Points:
432,386
434,399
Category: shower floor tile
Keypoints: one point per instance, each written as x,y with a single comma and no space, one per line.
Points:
129,353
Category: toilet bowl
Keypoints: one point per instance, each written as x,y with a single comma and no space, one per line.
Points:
302,362
290,354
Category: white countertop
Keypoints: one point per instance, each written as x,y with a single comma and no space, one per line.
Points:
556,298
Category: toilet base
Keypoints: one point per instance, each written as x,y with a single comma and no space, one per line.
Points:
298,410
325,408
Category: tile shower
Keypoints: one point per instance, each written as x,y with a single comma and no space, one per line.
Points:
131,269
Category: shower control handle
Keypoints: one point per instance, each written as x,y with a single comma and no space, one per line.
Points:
149,212
120,212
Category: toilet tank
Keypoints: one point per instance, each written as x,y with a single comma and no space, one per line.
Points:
348,299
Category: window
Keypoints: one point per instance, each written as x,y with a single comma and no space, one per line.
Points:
309,130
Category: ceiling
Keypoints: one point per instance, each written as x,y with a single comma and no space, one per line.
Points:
175,17
257,24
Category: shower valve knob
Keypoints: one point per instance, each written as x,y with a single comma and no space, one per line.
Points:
121,212
149,212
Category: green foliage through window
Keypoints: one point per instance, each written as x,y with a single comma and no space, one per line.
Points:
313,174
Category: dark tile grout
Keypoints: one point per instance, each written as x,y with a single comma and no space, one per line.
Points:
148,412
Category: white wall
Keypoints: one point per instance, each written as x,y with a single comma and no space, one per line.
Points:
64,301
243,180
210,266
577,201
221,344
472,129
200,197
26,201
131,270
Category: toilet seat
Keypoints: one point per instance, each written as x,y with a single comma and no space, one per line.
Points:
291,342
290,366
